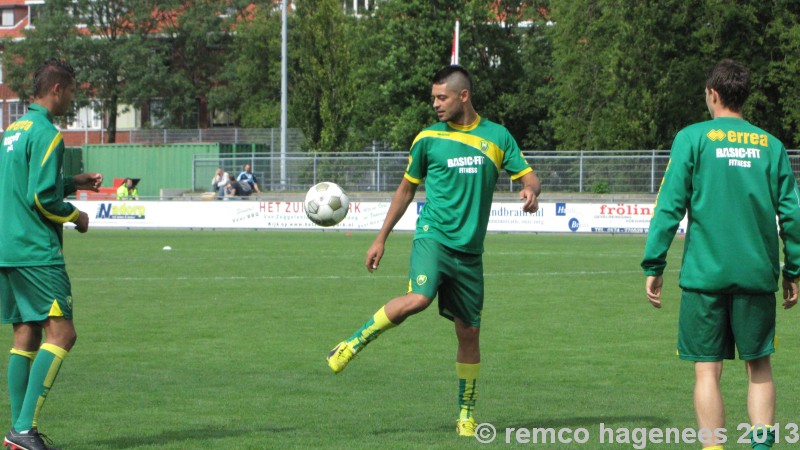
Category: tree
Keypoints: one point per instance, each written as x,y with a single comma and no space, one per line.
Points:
322,91
95,37
399,47
54,35
194,42
782,76
109,52
626,76
506,46
249,83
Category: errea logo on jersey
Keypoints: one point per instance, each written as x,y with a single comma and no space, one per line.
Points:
739,137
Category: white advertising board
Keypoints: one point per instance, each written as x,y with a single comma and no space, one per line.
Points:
505,216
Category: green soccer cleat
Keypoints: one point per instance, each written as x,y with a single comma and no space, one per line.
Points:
466,428
340,356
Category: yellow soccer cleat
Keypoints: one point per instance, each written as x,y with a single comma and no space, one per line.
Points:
340,356
466,427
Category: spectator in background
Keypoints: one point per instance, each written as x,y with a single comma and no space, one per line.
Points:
233,190
219,181
127,191
248,177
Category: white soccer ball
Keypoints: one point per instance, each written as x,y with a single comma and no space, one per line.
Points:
326,204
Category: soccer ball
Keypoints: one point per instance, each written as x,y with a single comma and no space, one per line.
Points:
326,204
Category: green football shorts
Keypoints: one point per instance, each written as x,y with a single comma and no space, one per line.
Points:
456,276
710,325
32,294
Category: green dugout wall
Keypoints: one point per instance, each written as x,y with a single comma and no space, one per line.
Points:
158,166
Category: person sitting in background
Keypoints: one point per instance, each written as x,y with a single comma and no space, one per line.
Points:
248,177
127,191
219,181
233,189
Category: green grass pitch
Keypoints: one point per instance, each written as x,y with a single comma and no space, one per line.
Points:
221,343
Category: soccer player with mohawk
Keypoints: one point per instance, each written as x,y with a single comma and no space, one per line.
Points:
460,159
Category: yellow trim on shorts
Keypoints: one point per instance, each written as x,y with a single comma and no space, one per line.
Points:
55,310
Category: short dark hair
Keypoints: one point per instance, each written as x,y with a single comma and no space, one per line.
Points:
731,80
51,72
454,71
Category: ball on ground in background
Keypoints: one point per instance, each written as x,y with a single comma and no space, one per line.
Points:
326,204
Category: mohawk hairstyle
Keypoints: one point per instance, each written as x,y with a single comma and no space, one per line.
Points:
51,72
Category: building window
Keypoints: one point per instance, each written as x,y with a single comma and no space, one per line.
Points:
33,11
7,18
16,109
158,113
86,118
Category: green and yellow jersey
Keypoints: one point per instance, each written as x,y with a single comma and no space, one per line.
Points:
32,191
731,179
460,166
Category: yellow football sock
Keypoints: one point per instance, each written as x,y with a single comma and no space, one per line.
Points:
371,330
467,388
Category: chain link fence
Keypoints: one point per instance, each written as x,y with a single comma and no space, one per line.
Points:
599,172
266,138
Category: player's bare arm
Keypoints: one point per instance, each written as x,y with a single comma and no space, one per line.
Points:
82,222
403,197
653,288
790,291
531,188
88,181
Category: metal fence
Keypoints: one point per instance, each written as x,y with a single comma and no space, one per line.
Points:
599,172
577,171
269,138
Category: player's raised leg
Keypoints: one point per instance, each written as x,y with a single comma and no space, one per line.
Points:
468,365
389,316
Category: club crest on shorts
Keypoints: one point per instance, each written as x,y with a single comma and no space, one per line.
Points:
422,279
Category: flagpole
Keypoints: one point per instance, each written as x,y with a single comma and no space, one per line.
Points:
454,53
284,93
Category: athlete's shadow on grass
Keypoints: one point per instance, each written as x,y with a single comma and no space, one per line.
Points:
175,436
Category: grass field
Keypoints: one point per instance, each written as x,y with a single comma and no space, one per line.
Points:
221,343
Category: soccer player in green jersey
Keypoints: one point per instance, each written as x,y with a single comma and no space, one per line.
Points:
732,179
35,290
460,159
